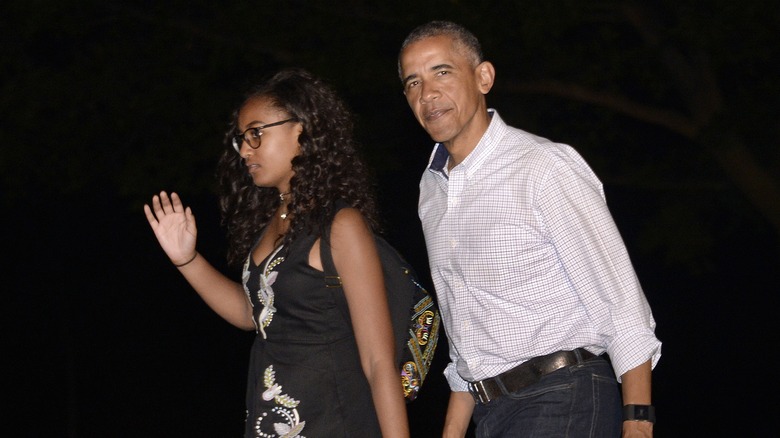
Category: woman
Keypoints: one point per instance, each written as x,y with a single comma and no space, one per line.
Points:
292,182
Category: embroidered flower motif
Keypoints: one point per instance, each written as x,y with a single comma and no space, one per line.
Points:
245,277
266,296
285,431
290,426
265,293
274,390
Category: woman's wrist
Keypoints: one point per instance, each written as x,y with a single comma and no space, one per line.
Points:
194,256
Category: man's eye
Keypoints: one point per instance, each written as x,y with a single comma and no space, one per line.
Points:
442,73
412,84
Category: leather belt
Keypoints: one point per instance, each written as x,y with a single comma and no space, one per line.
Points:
526,374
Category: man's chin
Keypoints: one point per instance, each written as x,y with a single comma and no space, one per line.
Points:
437,135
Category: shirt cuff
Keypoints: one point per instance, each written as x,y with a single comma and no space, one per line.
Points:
457,384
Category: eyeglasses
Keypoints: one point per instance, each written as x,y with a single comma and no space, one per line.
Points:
252,135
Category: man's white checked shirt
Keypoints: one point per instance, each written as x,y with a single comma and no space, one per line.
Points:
526,259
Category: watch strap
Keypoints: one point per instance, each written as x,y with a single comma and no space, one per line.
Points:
639,413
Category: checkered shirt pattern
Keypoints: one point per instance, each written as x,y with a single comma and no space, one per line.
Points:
526,259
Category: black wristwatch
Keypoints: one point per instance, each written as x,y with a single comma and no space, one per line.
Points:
639,413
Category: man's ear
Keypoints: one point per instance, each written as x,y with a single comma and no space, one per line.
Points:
486,74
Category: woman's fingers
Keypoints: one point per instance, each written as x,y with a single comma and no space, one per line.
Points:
165,203
150,216
157,206
176,202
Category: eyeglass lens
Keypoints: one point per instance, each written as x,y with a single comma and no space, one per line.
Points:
253,135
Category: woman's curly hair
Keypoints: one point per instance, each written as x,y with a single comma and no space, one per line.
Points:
327,169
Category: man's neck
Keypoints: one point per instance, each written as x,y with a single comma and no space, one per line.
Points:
460,147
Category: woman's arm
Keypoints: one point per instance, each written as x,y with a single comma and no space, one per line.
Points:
356,259
175,229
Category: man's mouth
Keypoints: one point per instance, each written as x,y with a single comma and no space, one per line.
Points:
433,115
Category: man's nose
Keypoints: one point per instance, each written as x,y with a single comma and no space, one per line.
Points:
429,91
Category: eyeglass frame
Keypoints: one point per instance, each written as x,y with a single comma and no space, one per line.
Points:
242,136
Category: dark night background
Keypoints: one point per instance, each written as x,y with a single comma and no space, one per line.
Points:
104,103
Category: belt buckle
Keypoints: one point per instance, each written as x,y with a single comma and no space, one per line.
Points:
478,391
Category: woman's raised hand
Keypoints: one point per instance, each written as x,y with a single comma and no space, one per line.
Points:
174,227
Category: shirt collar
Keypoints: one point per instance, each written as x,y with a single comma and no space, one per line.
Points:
490,139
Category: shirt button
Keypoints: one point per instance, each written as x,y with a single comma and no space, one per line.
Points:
453,243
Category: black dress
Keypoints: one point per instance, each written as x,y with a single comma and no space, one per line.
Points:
305,378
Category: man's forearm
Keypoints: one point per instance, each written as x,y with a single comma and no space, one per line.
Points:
459,412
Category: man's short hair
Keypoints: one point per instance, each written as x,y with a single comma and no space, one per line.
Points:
462,36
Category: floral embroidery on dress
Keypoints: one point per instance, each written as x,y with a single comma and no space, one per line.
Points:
283,417
265,293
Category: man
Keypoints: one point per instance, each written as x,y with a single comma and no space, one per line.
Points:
531,274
